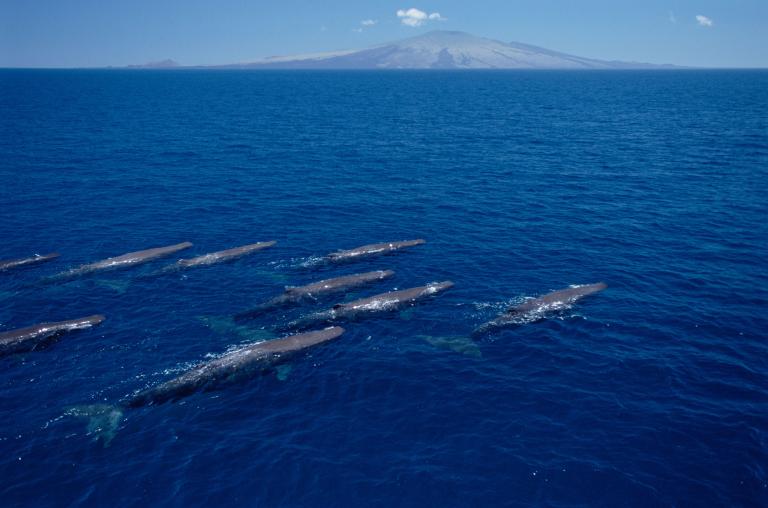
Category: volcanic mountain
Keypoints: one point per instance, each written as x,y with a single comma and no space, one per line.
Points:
443,50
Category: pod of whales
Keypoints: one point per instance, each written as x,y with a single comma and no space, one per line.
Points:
536,308
326,286
248,360
220,256
373,249
383,302
32,260
125,260
234,365
27,339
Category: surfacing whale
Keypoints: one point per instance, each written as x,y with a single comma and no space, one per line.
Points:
104,419
383,302
537,308
125,260
373,249
29,338
220,256
327,286
32,260
232,366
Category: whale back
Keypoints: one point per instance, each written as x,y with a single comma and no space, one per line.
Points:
234,365
558,298
16,263
224,255
396,297
373,249
25,339
339,283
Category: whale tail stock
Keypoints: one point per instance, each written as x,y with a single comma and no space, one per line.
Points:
228,326
260,309
249,314
102,420
457,343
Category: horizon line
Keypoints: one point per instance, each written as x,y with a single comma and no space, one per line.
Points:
251,67
171,64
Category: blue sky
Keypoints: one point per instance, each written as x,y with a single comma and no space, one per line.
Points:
84,33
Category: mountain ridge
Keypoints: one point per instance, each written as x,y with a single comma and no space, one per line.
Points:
440,50
445,50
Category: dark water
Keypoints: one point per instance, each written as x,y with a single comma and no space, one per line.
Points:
651,393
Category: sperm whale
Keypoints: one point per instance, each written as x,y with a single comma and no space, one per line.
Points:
326,286
373,249
220,256
125,260
235,365
27,339
536,308
104,419
383,302
32,260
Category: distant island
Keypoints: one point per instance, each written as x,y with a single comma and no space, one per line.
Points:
433,50
162,64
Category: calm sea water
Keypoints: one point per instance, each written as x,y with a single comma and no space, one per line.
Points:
652,393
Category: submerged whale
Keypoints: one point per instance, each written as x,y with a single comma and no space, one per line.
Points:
125,260
32,260
27,339
536,308
327,286
383,302
373,249
220,256
235,365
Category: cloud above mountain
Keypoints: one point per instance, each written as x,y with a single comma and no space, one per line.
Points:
415,17
366,23
704,21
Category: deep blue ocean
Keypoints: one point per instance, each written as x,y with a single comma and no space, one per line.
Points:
653,392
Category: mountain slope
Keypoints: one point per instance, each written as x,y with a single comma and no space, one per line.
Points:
444,50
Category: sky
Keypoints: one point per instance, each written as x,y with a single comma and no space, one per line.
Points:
97,33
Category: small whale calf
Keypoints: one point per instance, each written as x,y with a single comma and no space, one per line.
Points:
234,365
125,260
373,249
220,256
27,339
384,302
327,286
32,260
536,308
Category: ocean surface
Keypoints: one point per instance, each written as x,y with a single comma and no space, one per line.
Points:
653,392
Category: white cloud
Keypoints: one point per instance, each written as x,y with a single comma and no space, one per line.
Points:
704,21
365,23
415,17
